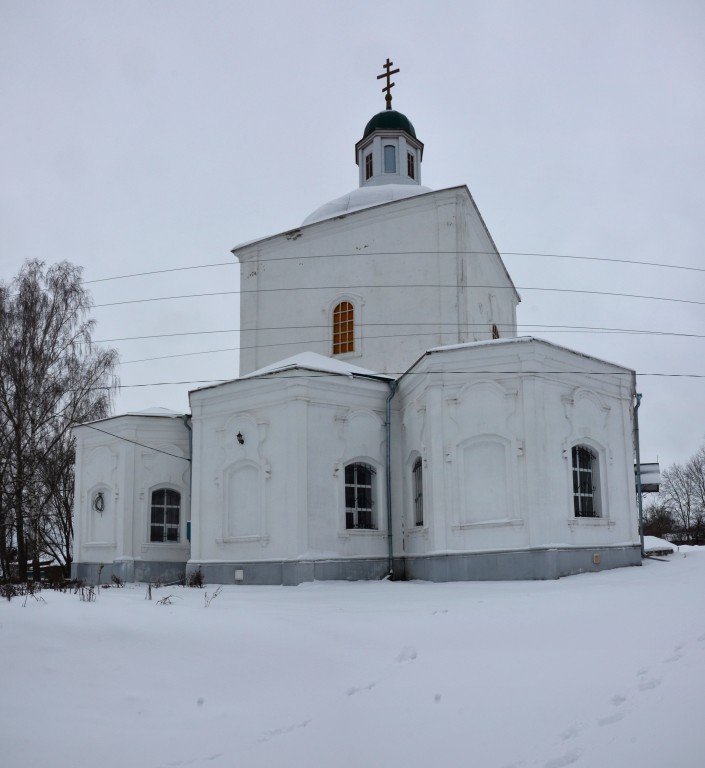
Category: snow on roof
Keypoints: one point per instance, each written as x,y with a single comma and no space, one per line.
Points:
159,412
312,361
155,411
365,197
523,340
358,199
485,342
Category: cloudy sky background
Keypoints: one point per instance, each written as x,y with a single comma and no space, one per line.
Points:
156,135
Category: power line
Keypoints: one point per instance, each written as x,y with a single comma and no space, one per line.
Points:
128,440
446,327
453,286
357,254
421,373
389,336
160,272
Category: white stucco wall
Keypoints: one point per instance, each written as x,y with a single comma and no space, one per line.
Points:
403,265
493,423
126,466
299,430
496,448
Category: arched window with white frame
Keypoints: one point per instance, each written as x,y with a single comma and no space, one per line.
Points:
586,478
165,516
360,489
417,491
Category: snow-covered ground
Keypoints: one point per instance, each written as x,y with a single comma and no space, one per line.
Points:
603,669
654,545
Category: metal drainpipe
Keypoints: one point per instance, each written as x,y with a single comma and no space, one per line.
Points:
392,390
186,418
638,468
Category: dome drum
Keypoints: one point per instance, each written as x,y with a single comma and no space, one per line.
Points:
389,155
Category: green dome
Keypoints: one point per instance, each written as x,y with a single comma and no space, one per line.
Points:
389,120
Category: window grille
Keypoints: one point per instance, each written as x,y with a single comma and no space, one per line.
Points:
417,480
584,482
495,331
166,509
343,328
359,496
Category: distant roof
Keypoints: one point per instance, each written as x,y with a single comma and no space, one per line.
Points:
155,411
389,120
312,361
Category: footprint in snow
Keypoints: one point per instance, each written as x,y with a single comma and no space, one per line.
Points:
357,688
267,735
615,718
571,732
648,685
559,762
407,653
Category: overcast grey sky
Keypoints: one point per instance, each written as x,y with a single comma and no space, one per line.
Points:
139,135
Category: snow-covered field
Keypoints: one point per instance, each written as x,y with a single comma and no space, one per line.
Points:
603,669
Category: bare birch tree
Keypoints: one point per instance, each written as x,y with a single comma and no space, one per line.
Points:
683,495
51,378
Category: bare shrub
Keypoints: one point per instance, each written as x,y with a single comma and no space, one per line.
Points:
24,589
196,579
86,594
209,600
168,600
7,590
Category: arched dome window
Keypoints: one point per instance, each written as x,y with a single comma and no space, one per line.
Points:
390,158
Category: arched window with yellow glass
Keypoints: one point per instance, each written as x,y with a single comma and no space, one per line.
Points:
343,328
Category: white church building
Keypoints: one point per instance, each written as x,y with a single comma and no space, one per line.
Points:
387,419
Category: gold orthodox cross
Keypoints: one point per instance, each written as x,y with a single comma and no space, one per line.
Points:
388,87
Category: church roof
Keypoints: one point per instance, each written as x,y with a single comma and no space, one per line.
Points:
365,197
389,120
158,411
312,361
514,340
